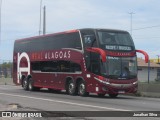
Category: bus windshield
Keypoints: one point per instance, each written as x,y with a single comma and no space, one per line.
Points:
115,40
120,67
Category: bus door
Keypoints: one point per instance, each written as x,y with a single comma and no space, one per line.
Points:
89,40
92,59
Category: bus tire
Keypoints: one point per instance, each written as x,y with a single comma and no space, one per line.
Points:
30,85
82,89
101,95
25,84
22,78
71,88
113,95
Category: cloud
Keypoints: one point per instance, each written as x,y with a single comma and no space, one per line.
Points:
20,15
20,18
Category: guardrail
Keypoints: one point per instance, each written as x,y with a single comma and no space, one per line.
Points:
149,90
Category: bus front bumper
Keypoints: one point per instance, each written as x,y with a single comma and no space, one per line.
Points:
118,88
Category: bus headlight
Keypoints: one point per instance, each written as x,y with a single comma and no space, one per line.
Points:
134,83
102,81
107,83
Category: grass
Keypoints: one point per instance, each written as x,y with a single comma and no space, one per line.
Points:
150,82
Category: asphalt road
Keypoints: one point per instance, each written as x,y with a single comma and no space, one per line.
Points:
47,101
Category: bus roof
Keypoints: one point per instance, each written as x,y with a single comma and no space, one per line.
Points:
103,29
69,31
65,32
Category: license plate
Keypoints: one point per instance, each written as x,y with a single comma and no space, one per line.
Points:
121,91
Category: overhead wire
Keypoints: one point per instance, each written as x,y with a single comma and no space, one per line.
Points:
147,27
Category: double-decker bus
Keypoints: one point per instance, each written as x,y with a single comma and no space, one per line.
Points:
82,61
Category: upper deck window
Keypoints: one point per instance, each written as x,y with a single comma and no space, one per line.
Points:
108,39
69,40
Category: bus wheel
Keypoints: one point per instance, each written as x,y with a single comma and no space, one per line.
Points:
101,95
82,89
113,95
25,84
30,85
71,88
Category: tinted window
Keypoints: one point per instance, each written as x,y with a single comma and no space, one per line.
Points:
89,38
115,40
70,40
119,38
55,66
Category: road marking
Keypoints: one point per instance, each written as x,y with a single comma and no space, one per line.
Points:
5,87
64,102
2,88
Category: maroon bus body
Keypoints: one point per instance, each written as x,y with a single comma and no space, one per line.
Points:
58,80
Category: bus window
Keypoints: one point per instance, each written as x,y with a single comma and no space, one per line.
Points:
89,38
74,67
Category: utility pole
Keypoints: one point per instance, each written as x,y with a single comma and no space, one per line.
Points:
44,20
0,19
131,13
148,71
40,16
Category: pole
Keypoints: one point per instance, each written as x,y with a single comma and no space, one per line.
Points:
158,58
44,21
40,17
148,70
0,19
131,13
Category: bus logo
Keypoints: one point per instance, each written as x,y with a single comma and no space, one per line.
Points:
22,69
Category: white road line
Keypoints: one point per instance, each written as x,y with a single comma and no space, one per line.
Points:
5,87
64,102
2,88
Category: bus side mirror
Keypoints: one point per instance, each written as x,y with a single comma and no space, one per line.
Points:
145,55
98,50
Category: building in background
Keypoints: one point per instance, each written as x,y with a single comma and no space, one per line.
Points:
143,71
155,60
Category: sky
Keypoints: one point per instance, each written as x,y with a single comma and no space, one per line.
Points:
21,19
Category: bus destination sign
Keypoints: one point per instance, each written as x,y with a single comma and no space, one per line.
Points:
115,47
